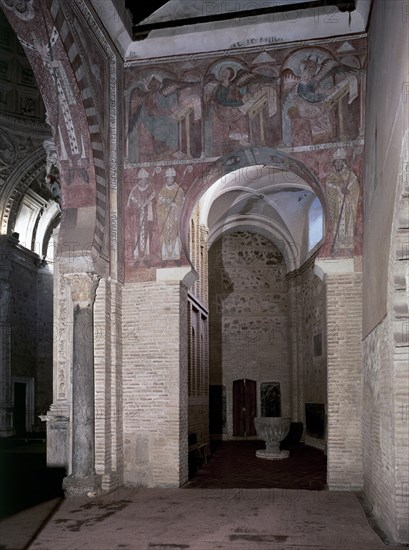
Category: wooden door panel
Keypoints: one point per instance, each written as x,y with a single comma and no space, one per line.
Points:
251,406
238,404
244,407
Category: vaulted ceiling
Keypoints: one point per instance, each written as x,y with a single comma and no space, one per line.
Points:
274,202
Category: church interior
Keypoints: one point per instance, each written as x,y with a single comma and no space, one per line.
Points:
204,237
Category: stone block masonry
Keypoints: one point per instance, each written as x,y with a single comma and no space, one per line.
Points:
248,317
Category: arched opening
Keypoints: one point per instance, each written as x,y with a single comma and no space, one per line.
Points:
263,226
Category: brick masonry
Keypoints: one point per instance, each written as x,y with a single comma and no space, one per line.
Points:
385,420
108,383
307,334
198,333
344,318
154,377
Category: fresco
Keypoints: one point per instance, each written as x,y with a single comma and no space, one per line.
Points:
239,106
189,121
317,92
342,190
340,172
140,214
169,207
164,117
153,210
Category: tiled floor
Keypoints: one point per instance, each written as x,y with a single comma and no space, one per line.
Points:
235,502
204,519
234,464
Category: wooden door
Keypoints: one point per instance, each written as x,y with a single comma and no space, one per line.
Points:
244,407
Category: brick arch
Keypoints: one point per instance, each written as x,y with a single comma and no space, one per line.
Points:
51,50
77,57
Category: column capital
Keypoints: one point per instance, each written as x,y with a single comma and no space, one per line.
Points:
83,287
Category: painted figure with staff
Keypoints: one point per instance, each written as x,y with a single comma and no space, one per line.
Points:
342,191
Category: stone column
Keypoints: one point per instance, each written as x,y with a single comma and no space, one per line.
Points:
6,405
82,479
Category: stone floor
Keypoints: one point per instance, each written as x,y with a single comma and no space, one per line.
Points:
199,519
234,464
211,514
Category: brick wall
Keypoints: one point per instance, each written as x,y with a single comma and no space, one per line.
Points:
307,335
385,263
385,421
344,347
154,378
108,384
377,424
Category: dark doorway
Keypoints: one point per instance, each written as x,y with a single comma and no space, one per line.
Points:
217,409
244,407
20,408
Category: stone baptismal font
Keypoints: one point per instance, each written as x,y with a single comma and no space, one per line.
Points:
272,429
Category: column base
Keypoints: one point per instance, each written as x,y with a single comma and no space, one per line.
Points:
272,455
81,486
57,419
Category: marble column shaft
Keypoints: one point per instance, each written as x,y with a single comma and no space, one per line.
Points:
83,289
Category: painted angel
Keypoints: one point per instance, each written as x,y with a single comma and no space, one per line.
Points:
153,121
240,103
312,94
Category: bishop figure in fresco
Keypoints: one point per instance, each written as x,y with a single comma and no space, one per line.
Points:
169,209
141,216
342,191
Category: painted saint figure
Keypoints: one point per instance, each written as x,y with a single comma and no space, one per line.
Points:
342,194
141,216
169,208
228,100
52,170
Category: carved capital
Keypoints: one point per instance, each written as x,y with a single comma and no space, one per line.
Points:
83,287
